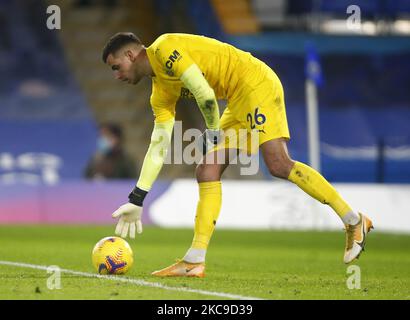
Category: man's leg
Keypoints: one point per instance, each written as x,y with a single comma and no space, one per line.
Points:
208,174
280,165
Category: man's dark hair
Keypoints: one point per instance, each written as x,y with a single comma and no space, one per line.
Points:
118,41
113,128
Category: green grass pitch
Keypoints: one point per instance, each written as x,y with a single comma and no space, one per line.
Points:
260,264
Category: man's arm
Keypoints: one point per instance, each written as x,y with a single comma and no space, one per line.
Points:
156,154
194,80
204,95
130,213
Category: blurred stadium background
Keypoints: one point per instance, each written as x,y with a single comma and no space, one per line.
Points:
55,91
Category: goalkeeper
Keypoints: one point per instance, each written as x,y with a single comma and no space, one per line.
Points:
213,70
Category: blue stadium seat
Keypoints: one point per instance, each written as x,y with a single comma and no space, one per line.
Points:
396,8
299,7
368,8
35,58
204,19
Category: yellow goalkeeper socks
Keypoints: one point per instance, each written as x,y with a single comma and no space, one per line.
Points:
314,184
207,212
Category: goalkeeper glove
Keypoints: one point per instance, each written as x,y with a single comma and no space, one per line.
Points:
209,139
130,214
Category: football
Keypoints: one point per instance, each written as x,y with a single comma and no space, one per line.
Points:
112,255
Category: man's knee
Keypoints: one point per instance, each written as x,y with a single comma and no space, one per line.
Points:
281,168
277,159
207,172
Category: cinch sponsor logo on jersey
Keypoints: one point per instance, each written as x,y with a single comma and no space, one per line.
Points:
172,58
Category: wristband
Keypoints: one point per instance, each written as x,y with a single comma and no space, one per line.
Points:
137,196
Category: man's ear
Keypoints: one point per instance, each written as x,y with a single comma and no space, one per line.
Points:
128,53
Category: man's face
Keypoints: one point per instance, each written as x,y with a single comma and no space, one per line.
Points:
124,64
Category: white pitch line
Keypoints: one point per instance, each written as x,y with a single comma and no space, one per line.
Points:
132,281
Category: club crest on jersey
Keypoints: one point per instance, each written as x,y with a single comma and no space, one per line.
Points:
172,58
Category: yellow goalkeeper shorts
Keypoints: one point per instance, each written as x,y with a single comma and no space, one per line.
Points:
257,116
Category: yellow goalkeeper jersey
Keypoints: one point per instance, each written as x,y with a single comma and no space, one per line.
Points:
231,72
